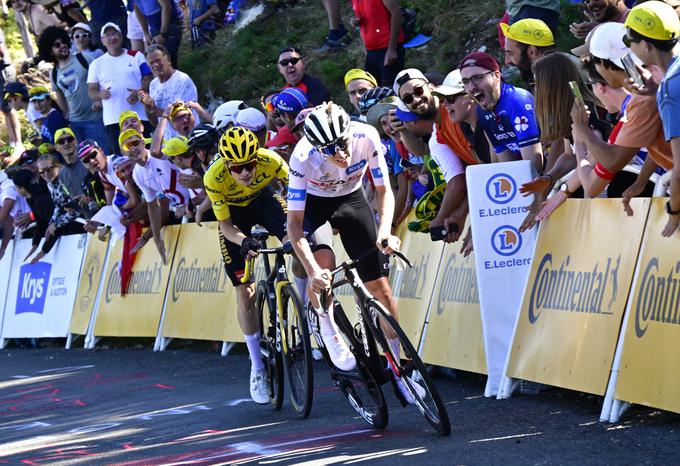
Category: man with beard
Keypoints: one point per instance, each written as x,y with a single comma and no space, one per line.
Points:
598,12
526,41
291,65
506,113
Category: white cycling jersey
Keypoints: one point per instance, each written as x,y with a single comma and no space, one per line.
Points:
311,173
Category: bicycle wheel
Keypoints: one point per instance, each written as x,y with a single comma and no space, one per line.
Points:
297,352
365,396
273,362
409,368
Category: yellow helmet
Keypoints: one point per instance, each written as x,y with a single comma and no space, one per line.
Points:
238,145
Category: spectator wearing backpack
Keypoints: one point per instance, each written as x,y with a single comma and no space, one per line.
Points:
380,26
69,82
116,78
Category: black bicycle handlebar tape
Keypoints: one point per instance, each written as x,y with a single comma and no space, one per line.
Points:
249,244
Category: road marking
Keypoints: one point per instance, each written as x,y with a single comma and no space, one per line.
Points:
492,439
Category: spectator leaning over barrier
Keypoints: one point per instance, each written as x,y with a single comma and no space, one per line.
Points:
163,21
599,12
357,82
69,82
254,120
81,35
158,181
379,23
72,172
52,117
115,78
177,151
39,200
291,65
506,113
8,204
653,30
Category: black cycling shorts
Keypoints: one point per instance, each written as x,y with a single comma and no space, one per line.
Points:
353,218
268,210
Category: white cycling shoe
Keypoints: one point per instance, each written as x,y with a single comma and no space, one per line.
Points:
339,353
420,391
259,391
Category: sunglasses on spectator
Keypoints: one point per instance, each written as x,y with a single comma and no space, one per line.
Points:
475,79
186,155
330,149
58,44
450,99
66,140
82,35
250,166
627,40
290,61
132,143
88,158
45,170
418,91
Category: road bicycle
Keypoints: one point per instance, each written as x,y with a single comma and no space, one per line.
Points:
285,343
367,340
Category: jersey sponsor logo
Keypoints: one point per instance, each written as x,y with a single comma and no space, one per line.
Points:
296,173
521,123
376,172
356,167
528,107
296,194
261,178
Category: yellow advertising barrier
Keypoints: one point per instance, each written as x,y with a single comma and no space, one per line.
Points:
649,373
201,301
88,286
454,330
577,290
138,313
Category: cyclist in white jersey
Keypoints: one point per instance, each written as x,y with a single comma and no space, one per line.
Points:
325,175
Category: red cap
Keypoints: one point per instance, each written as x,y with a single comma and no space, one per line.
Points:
481,59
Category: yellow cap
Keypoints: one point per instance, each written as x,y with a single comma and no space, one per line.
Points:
127,134
177,106
127,114
357,73
529,31
61,131
655,20
176,146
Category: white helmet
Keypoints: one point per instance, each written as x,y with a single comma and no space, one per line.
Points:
326,124
225,114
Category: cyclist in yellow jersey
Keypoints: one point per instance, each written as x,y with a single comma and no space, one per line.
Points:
238,185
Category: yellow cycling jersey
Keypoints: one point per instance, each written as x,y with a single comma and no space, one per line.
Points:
223,190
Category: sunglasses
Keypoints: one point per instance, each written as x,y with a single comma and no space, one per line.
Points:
250,166
290,61
186,155
451,99
476,79
45,170
83,35
627,40
88,159
330,149
132,143
66,140
58,44
418,91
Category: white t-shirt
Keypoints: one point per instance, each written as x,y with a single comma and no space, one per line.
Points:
310,172
159,178
109,176
180,86
447,160
120,74
9,191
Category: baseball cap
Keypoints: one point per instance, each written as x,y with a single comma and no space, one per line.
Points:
127,114
376,112
83,26
251,118
481,59
607,43
28,157
357,73
16,88
118,161
176,146
39,93
128,134
406,75
529,31
404,114
177,107
86,146
290,100
655,20
301,117
109,25
583,50
452,85
61,131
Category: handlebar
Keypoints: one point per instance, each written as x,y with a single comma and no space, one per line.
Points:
286,248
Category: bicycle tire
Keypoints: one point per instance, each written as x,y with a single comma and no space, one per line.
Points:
297,357
411,371
271,356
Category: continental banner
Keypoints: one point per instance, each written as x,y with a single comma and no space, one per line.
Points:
576,294
138,313
454,331
91,274
201,300
649,373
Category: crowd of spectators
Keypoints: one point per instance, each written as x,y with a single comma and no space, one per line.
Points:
122,139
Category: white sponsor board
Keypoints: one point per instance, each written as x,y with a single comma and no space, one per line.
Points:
40,296
502,254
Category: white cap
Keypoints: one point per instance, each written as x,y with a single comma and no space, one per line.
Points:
251,118
83,26
452,85
110,25
607,43
407,75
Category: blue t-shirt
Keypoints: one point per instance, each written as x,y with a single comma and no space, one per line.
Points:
199,7
668,101
511,125
392,157
151,10
106,10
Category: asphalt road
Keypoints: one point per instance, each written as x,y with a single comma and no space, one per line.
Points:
137,407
